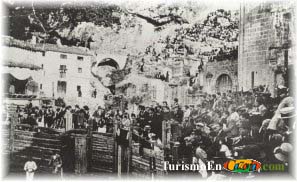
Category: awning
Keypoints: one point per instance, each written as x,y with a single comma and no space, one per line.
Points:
12,63
23,74
19,86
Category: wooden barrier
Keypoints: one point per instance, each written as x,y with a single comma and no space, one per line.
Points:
38,143
87,151
103,152
149,165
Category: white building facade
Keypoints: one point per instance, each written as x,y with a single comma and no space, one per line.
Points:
65,71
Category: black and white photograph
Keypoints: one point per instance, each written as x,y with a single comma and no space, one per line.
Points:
148,90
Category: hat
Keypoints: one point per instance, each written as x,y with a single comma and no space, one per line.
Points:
242,108
199,124
250,151
176,144
276,138
152,136
287,112
200,153
265,124
86,108
282,152
282,90
147,127
281,87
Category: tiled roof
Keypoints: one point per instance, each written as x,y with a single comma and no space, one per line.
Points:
11,42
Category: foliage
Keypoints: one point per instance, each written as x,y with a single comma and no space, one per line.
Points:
60,102
57,19
119,75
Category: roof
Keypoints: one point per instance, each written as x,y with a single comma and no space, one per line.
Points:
11,63
43,47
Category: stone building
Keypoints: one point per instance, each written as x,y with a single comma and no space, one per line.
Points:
65,71
221,76
266,45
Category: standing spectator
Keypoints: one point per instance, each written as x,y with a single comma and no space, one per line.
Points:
68,119
56,163
30,167
49,117
75,116
95,93
31,120
86,116
80,118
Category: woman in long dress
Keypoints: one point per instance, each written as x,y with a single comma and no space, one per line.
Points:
68,119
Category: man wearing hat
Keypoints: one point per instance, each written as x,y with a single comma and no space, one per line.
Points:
98,115
177,114
201,159
231,128
283,121
288,117
31,120
283,152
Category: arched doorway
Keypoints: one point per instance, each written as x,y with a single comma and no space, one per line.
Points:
223,83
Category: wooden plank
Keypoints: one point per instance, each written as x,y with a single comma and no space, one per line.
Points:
129,149
119,160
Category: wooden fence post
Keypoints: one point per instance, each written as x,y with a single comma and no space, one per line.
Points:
115,146
164,133
119,160
11,133
80,154
175,151
129,149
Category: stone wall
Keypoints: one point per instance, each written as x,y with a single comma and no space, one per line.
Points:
259,37
213,70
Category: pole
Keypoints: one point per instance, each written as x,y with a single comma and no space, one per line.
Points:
115,146
164,133
286,71
129,149
119,161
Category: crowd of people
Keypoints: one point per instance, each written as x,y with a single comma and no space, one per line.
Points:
228,125
223,125
218,33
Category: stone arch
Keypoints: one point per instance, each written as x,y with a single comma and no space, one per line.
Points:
108,62
224,83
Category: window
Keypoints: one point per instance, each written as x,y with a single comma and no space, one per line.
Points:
43,53
80,58
253,79
154,92
40,87
63,70
79,93
80,70
61,88
63,56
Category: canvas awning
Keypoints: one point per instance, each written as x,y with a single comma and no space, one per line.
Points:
13,63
